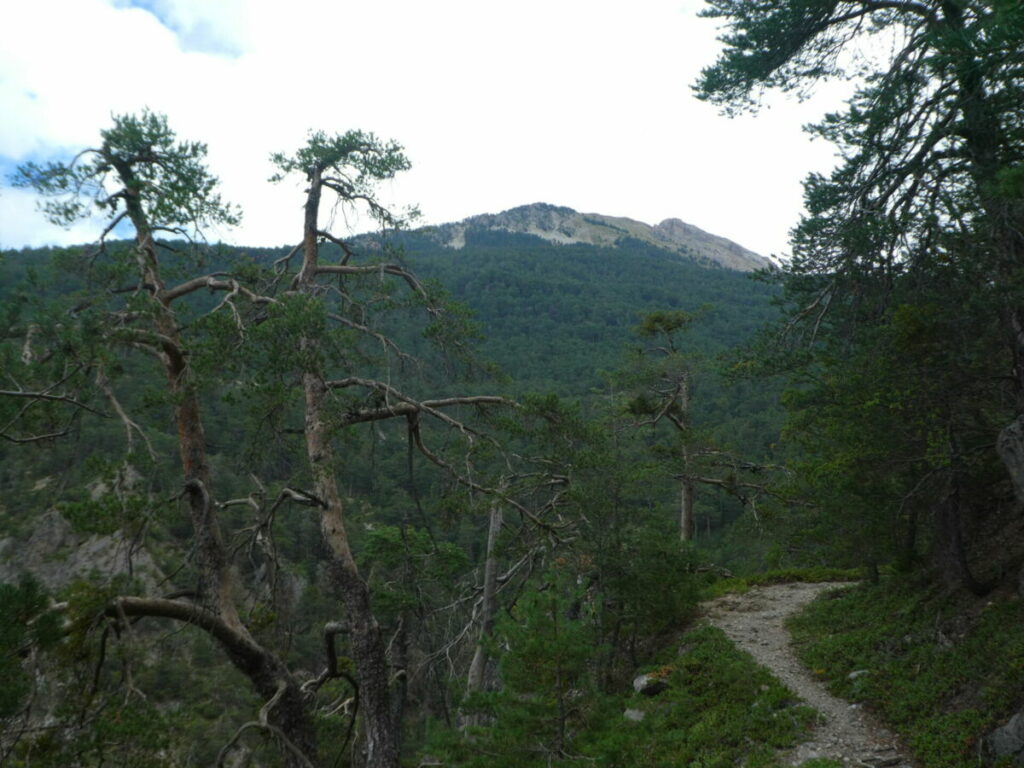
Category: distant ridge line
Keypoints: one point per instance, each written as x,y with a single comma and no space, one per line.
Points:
562,225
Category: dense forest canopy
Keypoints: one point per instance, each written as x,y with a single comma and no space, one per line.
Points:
903,294
269,366
345,527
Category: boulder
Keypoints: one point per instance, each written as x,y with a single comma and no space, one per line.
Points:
650,684
1007,741
1010,447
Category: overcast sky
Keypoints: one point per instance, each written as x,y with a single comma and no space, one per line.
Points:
583,103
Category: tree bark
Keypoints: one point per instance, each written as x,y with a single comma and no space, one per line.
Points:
1010,447
213,564
268,674
686,522
952,551
367,644
476,680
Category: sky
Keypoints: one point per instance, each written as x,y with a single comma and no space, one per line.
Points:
580,103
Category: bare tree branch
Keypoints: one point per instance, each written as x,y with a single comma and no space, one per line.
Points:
417,436
338,242
370,269
44,395
237,644
408,405
282,264
263,723
130,426
189,286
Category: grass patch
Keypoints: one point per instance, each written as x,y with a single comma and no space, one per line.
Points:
942,670
720,710
741,584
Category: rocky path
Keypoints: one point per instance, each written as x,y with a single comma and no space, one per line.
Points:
754,622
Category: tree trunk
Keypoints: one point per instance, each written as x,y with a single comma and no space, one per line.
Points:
269,675
686,522
952,552
213,564
367,645
908,543
1010,446
290,715
366,641
476,680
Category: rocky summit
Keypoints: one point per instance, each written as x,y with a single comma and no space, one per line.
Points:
563,225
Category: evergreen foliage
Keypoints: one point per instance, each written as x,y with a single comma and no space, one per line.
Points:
259,422
251,348
902,302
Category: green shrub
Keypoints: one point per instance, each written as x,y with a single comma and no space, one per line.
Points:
941,670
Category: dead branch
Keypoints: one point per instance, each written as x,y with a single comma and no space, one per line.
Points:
188,287
129,425
36,438
408,405
43,395
370,269
338,242
385,341
238,644
152,341
331,671
414,431
263,724
101,242
282,264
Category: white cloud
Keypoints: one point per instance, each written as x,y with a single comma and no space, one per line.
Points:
21,224
200,25
579,103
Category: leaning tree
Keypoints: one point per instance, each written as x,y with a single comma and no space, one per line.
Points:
346,167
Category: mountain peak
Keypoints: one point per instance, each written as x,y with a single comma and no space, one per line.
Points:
562,225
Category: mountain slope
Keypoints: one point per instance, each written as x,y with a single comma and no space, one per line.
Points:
565,226
555,317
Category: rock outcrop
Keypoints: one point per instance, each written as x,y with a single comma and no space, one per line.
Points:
57,555
565,226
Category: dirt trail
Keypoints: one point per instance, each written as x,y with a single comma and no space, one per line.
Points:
754,622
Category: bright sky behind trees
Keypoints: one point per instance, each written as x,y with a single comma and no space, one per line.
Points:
584,103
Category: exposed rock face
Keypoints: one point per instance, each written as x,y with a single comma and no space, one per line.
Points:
56,555
718,249
565,226
1010,447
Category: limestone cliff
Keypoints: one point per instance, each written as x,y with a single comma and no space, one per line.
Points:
564,225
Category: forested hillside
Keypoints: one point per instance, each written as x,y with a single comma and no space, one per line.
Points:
560,315
253,365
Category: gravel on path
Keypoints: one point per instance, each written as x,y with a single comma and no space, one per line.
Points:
754,621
